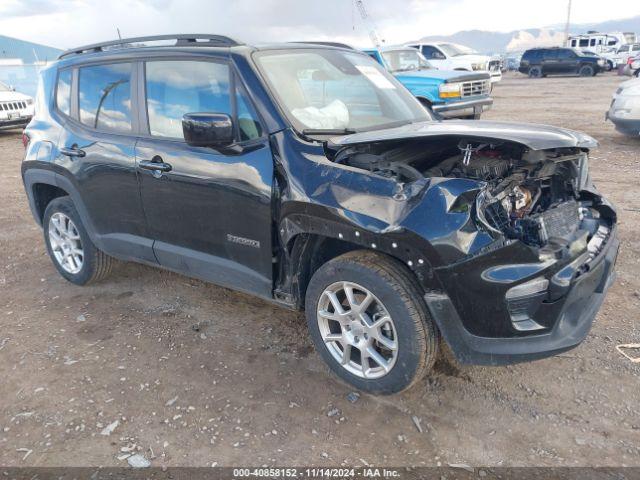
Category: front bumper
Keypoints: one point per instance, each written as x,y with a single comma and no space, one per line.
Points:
16,122
570,316
463,108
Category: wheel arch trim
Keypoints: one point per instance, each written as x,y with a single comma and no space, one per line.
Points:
402,245
33,177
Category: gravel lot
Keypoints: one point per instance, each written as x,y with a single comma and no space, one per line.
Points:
192,374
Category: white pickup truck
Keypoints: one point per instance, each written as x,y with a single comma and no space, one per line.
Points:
451,56
16,109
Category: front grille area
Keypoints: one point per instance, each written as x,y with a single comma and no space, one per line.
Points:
478,87
12,106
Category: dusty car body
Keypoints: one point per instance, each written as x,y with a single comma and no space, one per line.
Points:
624,111
492,232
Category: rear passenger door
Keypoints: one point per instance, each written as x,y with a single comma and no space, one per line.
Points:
97,157
210,214
549,62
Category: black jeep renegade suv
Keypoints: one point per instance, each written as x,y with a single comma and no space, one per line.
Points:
307,175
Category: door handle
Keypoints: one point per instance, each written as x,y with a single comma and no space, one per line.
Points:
155,165
72,151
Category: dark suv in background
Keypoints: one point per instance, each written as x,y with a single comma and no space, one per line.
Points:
309,176
540,62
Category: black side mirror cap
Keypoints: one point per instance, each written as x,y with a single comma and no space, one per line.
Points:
208,129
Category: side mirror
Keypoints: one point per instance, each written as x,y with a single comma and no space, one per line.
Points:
207,129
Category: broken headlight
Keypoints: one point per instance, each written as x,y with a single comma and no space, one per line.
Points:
583,172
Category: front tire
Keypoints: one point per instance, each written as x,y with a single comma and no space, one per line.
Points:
586,71
68,244
368,321
535,72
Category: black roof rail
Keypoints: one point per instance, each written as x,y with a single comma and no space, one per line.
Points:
194,40
328,44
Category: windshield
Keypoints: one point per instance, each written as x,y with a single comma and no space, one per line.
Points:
4,87
335,90
403,60
452,50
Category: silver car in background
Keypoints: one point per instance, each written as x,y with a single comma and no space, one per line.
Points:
625,108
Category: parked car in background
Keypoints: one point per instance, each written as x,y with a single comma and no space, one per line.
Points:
624,112
632,68
393,230
608,63
16,109
610,46
540,62
450,93
621,57
450,56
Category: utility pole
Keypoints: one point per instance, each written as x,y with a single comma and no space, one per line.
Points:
568,24
373,31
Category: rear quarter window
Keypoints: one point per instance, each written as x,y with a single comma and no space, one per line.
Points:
63,91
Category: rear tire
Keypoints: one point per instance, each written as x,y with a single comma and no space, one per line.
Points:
586,71
535,72
385,359
68,244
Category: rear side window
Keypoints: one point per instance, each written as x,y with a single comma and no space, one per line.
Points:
532,55
175,88
550,54
105,97
63,92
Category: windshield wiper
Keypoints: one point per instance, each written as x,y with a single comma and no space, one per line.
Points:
328,131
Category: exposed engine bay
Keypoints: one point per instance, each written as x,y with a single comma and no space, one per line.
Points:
529,195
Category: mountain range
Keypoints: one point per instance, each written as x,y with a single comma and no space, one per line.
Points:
517,40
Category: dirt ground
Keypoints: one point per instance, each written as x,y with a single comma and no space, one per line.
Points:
198,375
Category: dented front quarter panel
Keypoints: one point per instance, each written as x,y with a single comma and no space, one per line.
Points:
426,224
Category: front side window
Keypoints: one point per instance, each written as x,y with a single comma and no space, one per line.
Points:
404,60
175,88
452,50
105,97
4,87
63,92
432,52
326,89
248,126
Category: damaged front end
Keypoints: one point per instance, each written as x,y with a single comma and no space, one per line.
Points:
525,245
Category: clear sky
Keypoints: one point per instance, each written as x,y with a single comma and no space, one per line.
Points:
69,23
